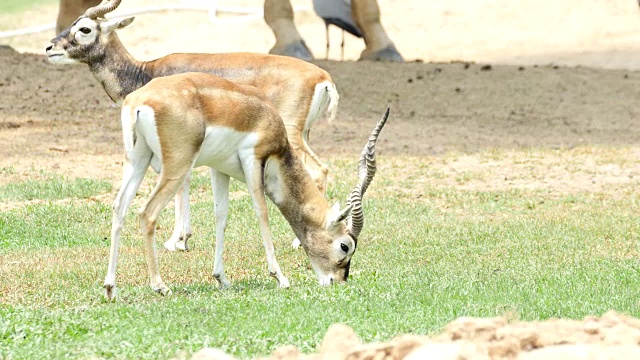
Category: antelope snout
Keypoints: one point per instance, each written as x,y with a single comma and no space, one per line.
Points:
57,55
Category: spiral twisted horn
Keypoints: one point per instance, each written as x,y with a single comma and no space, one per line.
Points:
366,171
105,7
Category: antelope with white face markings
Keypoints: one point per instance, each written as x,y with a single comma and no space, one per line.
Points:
300,91
194,119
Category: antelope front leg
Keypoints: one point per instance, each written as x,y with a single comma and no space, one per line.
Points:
254,174
182,231
132,176
220,186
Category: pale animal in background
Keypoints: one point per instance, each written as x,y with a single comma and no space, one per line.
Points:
278,14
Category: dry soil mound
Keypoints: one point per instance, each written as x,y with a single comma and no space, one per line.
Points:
612,336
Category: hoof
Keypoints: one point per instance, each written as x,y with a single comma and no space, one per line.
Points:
223,283
162,290
110,291
282,280
178,243
182,245
389,54
170,245
296,243
297,50
283,283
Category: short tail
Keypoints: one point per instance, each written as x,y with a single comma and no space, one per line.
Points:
129,117
332,108
324,102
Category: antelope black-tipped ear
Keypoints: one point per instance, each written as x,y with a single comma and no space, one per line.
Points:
115,24
340,216
126,22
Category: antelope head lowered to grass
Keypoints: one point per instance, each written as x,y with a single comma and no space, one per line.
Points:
177,122
300,91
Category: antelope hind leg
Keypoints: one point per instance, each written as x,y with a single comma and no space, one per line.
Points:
182,231
132,175
166,188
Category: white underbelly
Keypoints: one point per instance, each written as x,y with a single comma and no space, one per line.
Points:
223,149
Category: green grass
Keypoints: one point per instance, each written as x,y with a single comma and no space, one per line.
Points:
12,6
421,262
53,188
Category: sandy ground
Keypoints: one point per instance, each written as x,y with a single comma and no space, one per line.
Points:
602,33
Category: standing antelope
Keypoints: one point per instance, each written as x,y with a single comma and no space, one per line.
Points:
300,91
181,121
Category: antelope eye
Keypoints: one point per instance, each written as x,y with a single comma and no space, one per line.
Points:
85,30
344,248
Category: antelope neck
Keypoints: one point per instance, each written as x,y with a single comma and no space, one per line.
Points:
118,72
303,206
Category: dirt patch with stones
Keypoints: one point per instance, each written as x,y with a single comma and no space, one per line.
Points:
472,126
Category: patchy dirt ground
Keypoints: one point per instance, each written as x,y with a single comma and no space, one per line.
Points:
58,119
472,124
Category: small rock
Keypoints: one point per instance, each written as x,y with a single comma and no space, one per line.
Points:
211,354
59,149
288,352
339,338
446,351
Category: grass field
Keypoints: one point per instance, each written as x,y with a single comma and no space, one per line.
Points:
430,252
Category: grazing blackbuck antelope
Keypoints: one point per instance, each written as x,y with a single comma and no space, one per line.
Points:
181,121
300,91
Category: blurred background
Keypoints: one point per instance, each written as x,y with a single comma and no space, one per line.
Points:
598,33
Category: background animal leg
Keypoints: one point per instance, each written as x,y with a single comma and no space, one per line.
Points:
366,14
220,186
316,168
70,10
278,14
